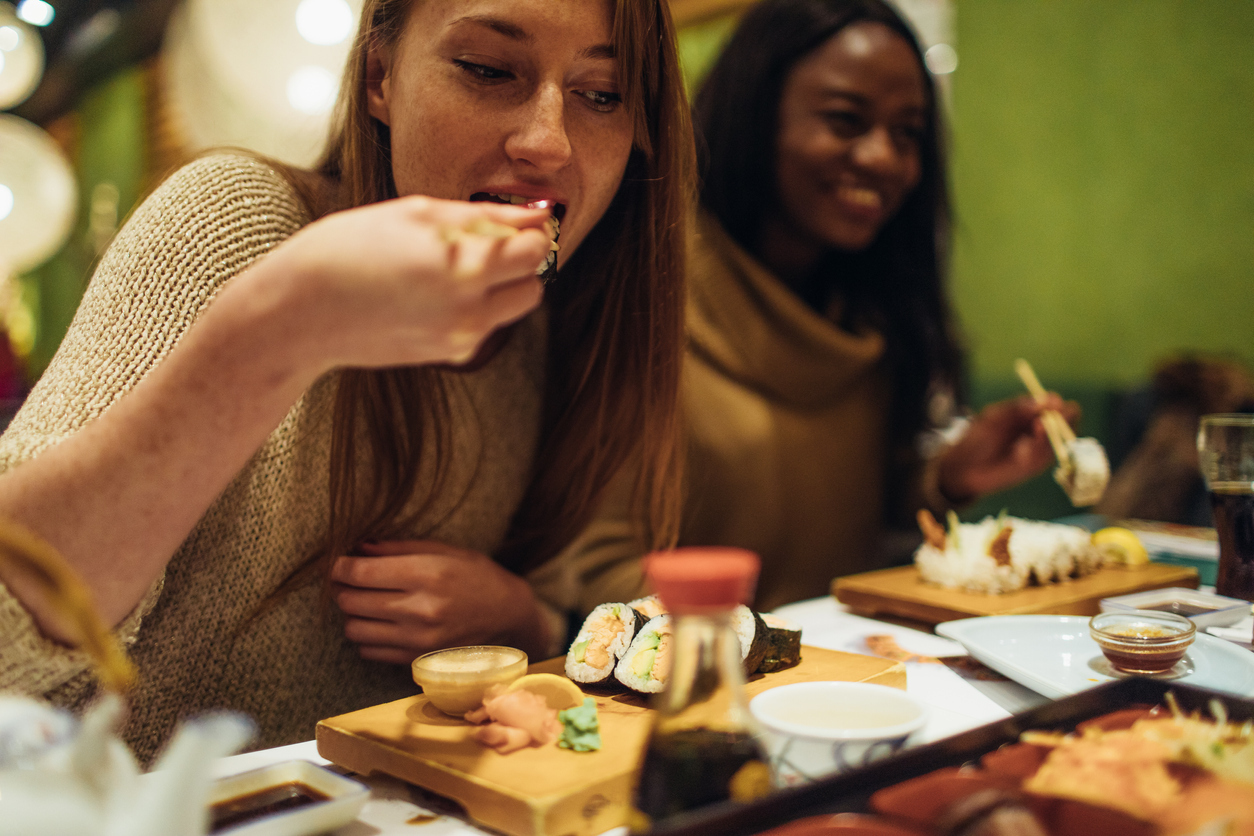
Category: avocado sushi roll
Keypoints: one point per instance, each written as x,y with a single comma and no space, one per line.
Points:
646,665
783,640
606,634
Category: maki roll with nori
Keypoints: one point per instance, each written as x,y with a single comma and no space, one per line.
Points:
783,644
606,634
649,606
751,630
646,665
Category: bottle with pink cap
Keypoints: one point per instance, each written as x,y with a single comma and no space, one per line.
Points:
704,746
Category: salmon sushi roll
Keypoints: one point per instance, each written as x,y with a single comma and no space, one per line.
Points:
646,665
606,634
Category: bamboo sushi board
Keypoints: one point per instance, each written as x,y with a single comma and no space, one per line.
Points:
901,592
545,791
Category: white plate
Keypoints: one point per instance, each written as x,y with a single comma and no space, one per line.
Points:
1055,656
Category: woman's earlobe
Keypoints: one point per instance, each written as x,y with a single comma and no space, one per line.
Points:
378,86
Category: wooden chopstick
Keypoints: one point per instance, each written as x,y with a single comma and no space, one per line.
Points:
1056,427
28,553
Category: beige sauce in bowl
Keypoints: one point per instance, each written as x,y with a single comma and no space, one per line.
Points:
456,678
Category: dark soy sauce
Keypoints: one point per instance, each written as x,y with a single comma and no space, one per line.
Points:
277,799
688,769
1234,523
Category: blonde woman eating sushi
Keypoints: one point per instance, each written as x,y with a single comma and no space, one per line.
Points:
819,337
310,424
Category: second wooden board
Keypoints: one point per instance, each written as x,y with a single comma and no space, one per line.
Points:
901,592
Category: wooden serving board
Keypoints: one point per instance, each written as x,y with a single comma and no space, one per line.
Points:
544,791
901,592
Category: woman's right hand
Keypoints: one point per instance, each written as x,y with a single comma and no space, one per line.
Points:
402,282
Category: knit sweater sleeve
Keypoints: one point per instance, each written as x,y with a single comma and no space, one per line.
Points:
198,229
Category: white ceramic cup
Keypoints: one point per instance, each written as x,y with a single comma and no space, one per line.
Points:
816,729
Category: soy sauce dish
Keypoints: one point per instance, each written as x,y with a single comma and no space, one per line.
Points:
293,798
816,729
1142,641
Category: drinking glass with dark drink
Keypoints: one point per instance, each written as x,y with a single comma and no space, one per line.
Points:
1225,448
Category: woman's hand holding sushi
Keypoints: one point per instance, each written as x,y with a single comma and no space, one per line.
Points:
401,599
1004,445
413,280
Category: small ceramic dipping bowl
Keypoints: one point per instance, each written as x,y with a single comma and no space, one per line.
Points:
455,679
1142,641
816,729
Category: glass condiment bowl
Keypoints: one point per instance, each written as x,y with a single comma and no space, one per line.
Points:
1142,641
455,679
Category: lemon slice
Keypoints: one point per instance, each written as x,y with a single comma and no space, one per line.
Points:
558,691
1122,547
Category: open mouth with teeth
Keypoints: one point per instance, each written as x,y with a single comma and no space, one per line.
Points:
547,271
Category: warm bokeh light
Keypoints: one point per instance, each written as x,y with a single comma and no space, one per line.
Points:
36,12
262,76
941,59
21,59
40,194
324,22
312,89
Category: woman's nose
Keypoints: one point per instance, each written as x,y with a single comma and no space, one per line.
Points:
540,137
876,150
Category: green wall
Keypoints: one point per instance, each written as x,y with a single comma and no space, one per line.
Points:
1103,171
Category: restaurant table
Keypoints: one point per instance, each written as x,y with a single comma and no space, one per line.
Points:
958,698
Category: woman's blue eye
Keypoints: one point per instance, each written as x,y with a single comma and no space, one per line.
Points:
483,71
601,100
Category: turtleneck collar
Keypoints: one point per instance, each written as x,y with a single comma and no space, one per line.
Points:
746,322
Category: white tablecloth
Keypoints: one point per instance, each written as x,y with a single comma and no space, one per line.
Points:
956,703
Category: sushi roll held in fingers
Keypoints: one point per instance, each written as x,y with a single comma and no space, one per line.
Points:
606,634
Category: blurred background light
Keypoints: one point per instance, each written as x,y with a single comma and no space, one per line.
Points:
21,58
36,12
42,195
941,59
324,22
261,76
312,90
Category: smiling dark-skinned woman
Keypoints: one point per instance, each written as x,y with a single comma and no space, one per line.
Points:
820,341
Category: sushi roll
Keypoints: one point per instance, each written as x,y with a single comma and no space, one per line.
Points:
646,665
751,630
783,644
649,606
606,634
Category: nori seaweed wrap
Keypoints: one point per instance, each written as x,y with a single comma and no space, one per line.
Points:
606,634
783,644
751,630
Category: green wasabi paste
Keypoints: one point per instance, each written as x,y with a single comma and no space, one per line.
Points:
581,730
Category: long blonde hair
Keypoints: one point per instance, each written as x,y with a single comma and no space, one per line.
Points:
615,326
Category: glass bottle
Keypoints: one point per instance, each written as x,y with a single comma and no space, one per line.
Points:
704,746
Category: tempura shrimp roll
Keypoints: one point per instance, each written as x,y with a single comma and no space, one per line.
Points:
606,634
646,665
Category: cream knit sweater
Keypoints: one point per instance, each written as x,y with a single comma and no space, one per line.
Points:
191,638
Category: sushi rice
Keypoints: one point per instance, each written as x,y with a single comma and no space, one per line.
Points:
606,634
979,557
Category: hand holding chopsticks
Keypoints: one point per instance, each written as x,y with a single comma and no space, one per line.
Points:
1083,469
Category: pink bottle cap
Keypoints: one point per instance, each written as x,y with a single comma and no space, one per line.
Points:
702,579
